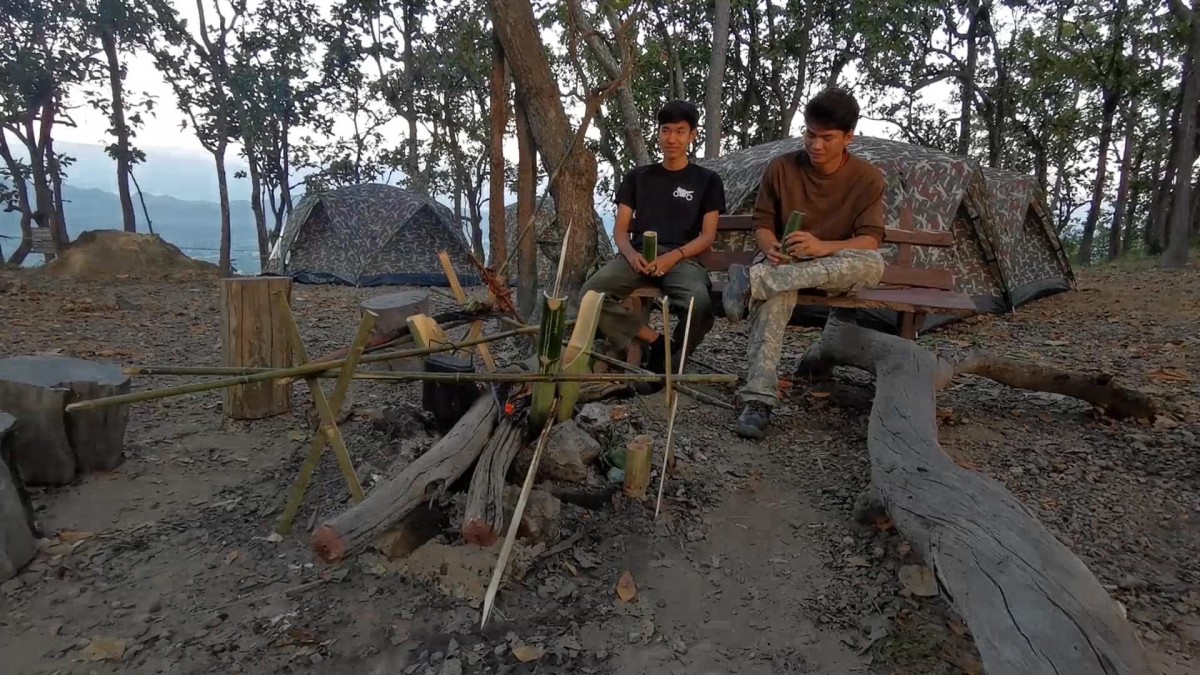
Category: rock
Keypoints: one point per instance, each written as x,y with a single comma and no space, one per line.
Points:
569,451
539,522
1132,583
452,667
400,421
595,419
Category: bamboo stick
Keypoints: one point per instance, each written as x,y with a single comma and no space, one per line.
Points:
693,393
397,376
324,368
673,397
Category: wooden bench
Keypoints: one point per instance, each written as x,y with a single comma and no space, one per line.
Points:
911,292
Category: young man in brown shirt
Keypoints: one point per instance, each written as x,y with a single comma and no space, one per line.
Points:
841,197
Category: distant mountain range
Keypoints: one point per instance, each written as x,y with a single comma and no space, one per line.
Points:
180,190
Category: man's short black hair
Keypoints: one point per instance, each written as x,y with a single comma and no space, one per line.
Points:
833,109
679,111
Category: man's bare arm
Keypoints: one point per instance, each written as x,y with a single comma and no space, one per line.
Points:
703,243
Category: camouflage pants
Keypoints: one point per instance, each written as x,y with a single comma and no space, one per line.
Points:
685,281
773,297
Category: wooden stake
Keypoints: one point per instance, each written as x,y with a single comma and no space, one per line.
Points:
662,479
526,487
459,294
329,427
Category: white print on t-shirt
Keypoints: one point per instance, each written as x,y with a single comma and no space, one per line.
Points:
683,194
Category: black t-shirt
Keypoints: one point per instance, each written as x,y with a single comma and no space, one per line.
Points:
671,203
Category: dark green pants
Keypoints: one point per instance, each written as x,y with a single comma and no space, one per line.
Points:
685,281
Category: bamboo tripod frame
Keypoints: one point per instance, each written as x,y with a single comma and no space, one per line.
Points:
328,432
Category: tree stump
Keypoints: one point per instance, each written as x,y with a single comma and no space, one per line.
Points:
1032,606
52,447
393,309
255,335
17,546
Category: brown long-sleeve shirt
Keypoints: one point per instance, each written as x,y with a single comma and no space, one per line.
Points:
838,207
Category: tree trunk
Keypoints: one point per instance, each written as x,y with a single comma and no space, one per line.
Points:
1115,237
225,264
44,211
1109,111
966,83
537,89
983,546
21,188
631,119
1137,168
483,517
1184,152
411,30
1156,229
527,249
498,243
256,205
716,79
108,41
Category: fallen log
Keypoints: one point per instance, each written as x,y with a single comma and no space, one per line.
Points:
1099,389
1032,606
388,503
53,446
17,529
483,518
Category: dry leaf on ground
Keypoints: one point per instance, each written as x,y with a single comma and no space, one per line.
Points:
527,653
104,649
626,589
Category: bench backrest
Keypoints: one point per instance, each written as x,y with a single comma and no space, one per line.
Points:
899,272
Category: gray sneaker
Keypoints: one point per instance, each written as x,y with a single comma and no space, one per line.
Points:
753,421
736,296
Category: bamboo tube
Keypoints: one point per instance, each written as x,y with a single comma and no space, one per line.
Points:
575,358
638,453
549,357
795,223
650,245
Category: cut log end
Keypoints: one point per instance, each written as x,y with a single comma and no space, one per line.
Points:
328,545
479,532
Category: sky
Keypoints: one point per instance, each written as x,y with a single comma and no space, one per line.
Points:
162,130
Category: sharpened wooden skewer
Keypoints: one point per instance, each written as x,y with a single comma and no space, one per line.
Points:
509,538
673,397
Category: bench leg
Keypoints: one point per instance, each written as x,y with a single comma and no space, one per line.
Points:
910,323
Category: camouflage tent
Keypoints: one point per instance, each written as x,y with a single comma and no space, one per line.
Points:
945,193
371,235
1030,251
549,232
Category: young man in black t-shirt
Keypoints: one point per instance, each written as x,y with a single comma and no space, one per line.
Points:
680,201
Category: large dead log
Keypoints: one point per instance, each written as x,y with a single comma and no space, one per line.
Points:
1031,604
52,446
483,519
17,546
386,504
1099,389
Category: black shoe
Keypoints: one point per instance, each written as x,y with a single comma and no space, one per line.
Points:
753,421
736,295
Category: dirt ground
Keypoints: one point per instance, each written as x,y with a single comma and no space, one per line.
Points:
166,564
